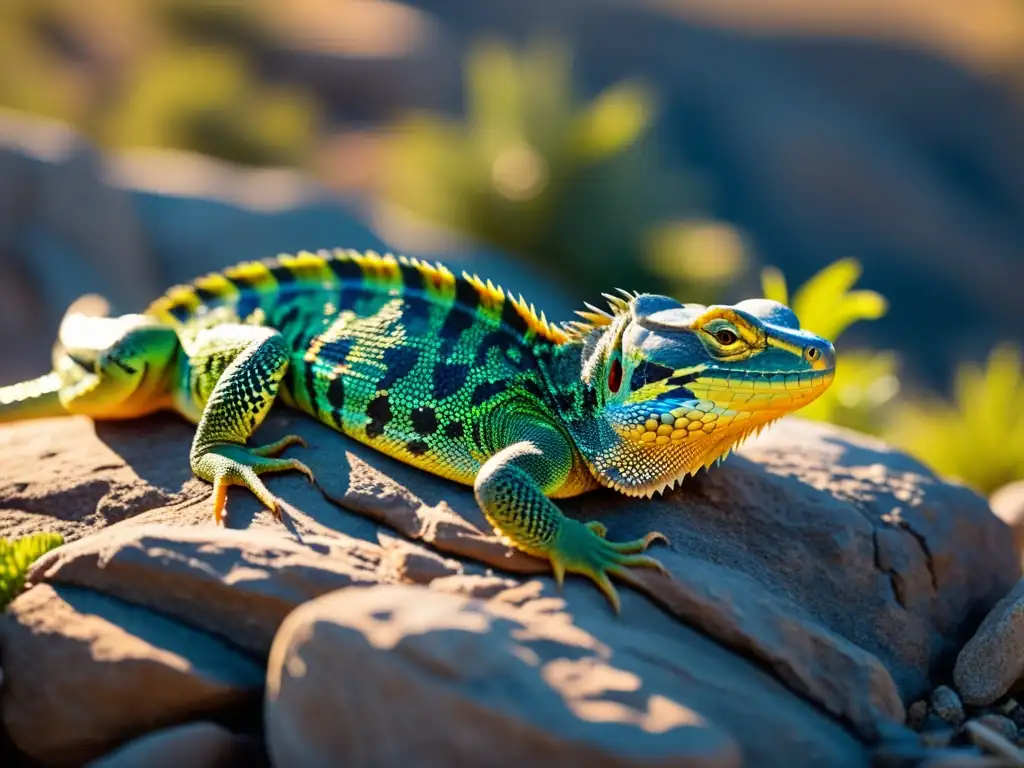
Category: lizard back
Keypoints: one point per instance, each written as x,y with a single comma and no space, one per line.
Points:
397,353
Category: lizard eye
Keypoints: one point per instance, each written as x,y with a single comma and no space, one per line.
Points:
615,376
726,337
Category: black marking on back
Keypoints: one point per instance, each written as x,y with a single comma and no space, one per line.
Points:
424,420
511,317
466,295
379,411
398,362
345,269
484,392
454,429
457,321
416,314
448,379
336,352
336,397
205,295
499,340
417,447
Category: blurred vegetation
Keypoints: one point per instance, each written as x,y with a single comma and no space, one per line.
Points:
978,437
174,74
540,173
15,558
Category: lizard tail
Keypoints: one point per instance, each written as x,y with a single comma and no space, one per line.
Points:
33,399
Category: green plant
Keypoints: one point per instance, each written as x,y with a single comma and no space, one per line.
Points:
15,558
865,379
581,186
978,436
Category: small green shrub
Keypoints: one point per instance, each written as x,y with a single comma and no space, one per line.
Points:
978,436
15,558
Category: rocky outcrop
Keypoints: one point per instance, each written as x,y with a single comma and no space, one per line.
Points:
819,581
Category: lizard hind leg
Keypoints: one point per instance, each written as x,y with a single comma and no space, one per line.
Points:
238,401
510,490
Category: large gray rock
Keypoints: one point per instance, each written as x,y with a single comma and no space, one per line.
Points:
84,672
816,564
378,676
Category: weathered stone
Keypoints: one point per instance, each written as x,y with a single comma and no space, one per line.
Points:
947,705
85,672
378,676
236,584
936,732
916,714
806,494
993,660
196,745
1002,725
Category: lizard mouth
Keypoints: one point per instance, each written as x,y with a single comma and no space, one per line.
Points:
747,391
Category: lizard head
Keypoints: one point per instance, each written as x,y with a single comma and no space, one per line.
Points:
680,385
104,367
113,367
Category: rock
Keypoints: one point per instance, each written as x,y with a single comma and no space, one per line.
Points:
197,745
236,584
947,705
1008,503
999,724
993,660
991,740
916,714
527,682
908,556
936,732
85,672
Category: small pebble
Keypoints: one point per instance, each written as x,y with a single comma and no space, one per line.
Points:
947,705
1017,715
936,732
1002,725
916,713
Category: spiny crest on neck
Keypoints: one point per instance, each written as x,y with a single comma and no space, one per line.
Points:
328,270
595,318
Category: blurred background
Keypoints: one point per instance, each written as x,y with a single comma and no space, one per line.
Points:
863,160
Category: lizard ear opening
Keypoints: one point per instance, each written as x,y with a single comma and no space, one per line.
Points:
615,376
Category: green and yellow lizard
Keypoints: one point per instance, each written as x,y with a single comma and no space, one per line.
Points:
448,374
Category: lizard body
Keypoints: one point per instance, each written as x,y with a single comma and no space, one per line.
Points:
448,374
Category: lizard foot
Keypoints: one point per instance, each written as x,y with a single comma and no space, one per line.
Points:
228,464
582,548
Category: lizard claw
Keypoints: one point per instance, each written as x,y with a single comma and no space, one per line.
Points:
581,548
228,464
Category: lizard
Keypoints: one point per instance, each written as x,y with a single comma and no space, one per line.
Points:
449,374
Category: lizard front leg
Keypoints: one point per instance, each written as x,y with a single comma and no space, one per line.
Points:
511,490
241,396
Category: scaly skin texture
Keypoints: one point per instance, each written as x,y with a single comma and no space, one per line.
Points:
450,375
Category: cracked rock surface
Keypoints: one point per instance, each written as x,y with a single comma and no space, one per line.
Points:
821,581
